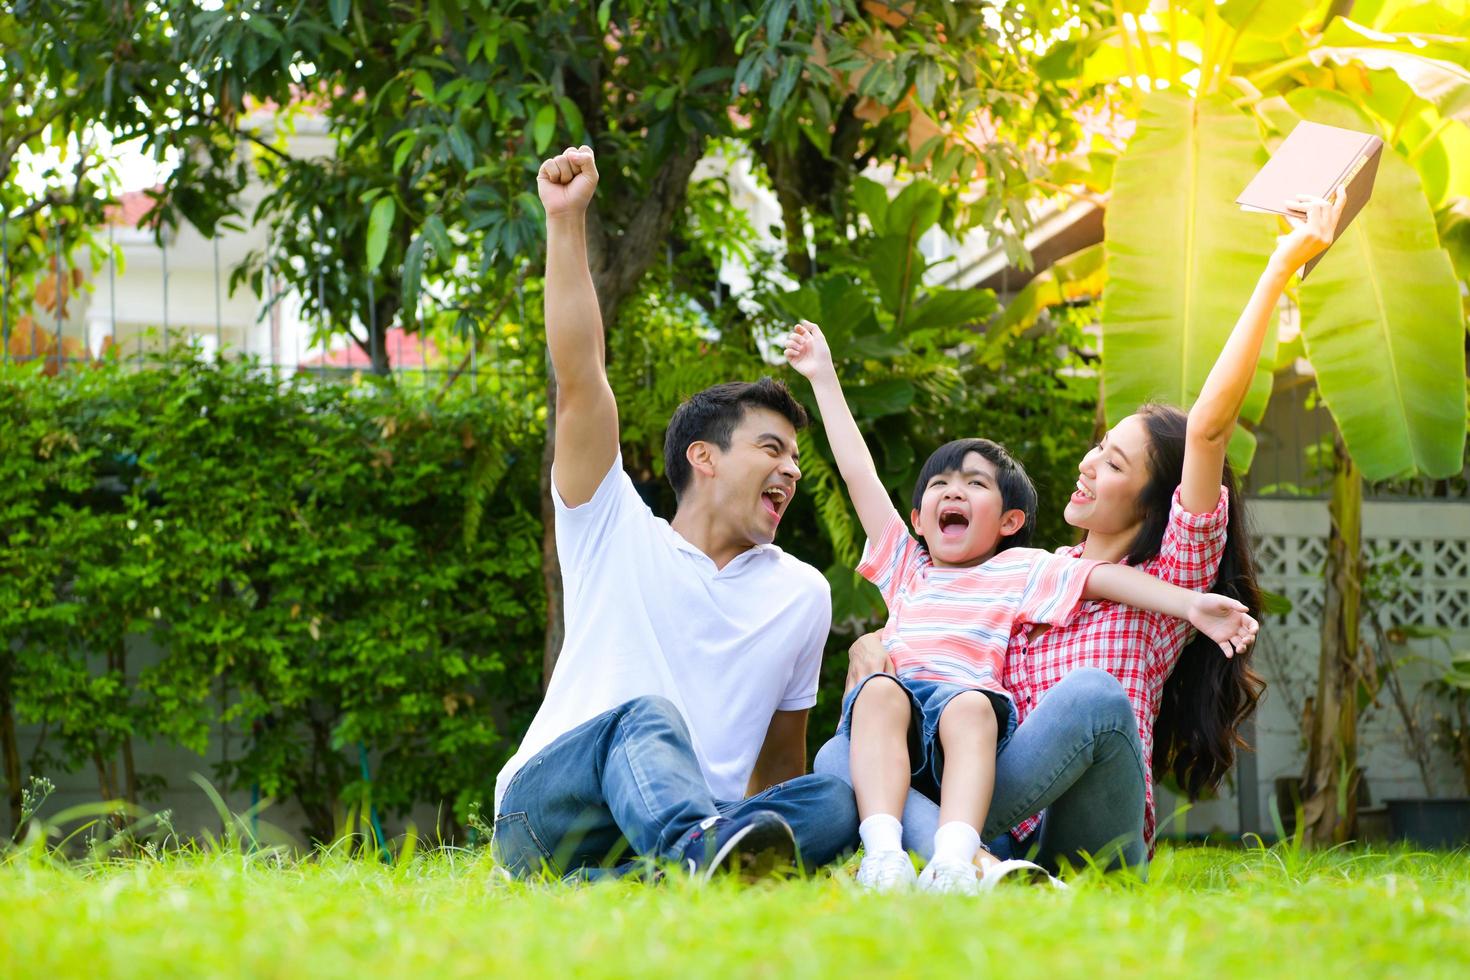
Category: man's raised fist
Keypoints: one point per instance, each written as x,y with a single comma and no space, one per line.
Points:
567,180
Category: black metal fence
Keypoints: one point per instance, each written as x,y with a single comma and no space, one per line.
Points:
51,329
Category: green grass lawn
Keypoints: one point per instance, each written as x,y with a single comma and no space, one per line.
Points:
1204,912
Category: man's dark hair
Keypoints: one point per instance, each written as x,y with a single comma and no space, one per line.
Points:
1016,490
712,416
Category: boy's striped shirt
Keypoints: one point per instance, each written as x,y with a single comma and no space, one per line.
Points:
954,624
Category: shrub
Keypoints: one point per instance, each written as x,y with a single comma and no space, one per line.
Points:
328,568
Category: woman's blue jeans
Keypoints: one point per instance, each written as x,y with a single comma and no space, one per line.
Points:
1077,756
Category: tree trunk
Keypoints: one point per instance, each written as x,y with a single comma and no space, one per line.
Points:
379,318
318,801
385,309
622,245
1329,787
11,751
806,182
130,772
782,170
104,784
1461,745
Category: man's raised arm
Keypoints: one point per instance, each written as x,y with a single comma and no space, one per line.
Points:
586,414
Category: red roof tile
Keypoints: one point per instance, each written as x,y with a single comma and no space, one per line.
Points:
405,350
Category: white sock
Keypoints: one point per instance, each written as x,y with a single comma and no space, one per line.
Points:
956,842
881,832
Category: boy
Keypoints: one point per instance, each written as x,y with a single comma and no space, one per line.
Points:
954,601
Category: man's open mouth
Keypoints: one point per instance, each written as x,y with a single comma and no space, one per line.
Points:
953,523
774,498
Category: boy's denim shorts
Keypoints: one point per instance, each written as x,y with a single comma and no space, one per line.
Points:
929,699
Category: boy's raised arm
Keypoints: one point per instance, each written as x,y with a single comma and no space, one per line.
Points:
586,412
1219,617
807,350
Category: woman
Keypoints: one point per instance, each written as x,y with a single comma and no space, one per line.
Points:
1118,694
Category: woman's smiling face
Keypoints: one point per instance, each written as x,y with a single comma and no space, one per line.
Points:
1110,481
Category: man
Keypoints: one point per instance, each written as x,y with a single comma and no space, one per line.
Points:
692,647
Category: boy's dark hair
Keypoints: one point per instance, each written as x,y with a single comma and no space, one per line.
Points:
712,415
1016,489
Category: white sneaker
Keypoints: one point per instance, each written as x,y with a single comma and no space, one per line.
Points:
950,877
1017,870
886,871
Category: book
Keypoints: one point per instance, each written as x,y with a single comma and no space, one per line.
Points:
1316,160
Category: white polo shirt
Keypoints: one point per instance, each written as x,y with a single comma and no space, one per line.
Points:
647,613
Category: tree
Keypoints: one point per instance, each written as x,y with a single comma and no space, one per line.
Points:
62,64
439,111
950,90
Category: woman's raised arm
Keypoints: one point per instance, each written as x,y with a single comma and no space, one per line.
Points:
1214,413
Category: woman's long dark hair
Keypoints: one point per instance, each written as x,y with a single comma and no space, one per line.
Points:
1208,696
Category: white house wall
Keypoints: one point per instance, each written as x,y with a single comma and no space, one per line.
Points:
196,302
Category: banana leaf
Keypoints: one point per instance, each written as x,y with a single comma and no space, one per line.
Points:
1383,324
1443,84
1265,18
1182,258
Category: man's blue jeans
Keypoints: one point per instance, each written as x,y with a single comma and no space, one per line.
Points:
1077,756
627,785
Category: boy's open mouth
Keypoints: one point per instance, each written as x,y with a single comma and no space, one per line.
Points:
953,523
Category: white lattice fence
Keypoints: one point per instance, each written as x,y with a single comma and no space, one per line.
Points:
1421,554
1435,571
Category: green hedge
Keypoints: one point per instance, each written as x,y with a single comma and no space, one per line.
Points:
325,567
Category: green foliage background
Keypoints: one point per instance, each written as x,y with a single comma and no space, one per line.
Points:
324,565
